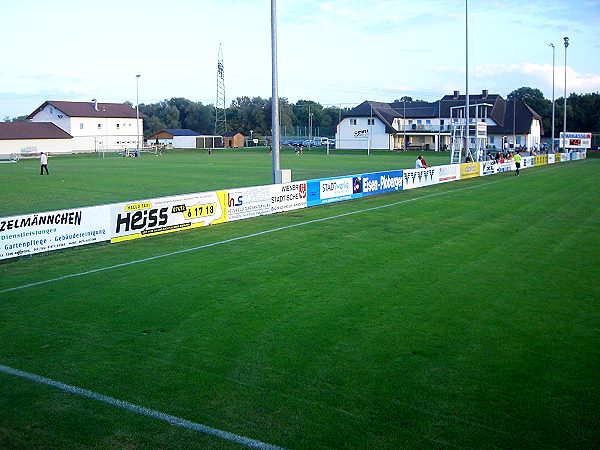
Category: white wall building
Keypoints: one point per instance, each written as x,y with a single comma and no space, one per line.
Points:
74,127
427,125
94,126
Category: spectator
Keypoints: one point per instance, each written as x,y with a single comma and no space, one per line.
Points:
43,163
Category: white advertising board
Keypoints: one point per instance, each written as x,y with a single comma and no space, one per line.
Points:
487,168
43,232
415,178
287,196
450,172
527,161
248,202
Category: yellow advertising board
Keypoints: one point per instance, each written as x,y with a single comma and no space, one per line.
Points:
469,170
540,160
167,214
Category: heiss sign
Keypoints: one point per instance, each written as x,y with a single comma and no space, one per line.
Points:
133,220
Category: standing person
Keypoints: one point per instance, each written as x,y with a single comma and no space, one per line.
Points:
43,163
517,158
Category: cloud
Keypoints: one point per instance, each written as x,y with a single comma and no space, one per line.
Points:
542,73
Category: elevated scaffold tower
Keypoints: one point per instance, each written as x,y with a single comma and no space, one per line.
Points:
477,130
220,116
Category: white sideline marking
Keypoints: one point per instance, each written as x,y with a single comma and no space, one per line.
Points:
239,238
173,420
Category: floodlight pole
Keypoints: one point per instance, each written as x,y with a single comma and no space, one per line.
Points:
275,92
468,143
553,108
566,40
137,113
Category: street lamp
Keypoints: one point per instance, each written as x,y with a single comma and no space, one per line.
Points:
137,112
553,54
566,39
251,140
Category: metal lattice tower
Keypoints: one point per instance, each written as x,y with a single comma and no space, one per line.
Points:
220,117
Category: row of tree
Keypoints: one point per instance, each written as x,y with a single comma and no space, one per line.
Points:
254,114
583,110
246,115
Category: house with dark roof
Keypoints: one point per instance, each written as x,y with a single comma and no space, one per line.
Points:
94,126
429,125
31,138
167,136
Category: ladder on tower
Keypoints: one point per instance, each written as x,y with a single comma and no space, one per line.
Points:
458,134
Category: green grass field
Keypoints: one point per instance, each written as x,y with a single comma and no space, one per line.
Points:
461,315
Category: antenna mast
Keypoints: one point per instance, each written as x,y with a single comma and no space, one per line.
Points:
220,117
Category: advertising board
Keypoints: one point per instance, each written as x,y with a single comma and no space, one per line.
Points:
248,202
416,178
469,170
540,160
487,168
450,172
43,232
329,190
527,162
505,167
287,196
132,220
381,182
551,158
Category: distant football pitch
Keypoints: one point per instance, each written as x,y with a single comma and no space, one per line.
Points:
458,315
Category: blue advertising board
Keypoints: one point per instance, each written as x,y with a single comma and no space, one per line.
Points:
329,190
381,182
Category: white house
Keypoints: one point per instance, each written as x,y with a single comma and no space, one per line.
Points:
427,125
94,126
31,138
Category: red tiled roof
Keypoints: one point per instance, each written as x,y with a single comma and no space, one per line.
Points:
87,109
31,130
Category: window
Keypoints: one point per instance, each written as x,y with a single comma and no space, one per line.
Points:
370,121
99,126
427,122
352,121
81,126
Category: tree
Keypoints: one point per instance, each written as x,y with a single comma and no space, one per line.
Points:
535,99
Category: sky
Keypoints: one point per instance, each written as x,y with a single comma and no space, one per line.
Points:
337,52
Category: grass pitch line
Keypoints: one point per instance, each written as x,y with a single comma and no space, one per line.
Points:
173,420
239,238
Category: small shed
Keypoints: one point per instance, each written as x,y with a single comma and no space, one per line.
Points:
233,139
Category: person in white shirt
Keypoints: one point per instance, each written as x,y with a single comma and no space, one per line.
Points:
43,163
420,164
